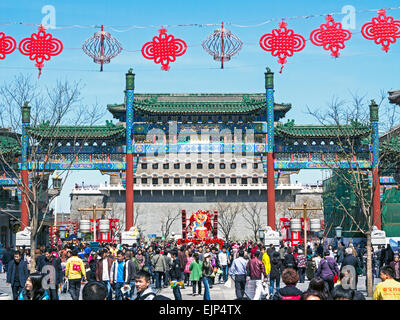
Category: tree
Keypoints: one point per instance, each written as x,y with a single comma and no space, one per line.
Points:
167,219
349,191
227,213
50,108
139,211
252,216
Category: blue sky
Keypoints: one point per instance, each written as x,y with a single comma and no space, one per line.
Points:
310,78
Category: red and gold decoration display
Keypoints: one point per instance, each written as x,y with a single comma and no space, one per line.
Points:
282,43
383,29
40,47
331,36
164,49
200,224
7,45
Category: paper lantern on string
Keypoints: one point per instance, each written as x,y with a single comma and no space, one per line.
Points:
331,36
7,45
222,44
164,49
383,29
282,43
102,47
40,47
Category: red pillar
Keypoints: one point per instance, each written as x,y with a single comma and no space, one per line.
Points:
24,199
271,190
376,202
129,192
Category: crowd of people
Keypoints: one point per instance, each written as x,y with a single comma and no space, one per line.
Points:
144,271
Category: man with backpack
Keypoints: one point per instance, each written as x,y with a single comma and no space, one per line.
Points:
75,271
144,291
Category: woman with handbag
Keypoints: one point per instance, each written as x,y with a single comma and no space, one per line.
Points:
187,270
327,270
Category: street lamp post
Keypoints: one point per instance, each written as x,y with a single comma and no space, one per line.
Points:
261,234
305,210
338,231
94,210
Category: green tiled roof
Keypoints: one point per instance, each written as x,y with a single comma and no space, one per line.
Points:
8,142
320,131
391,146
79,132
198,103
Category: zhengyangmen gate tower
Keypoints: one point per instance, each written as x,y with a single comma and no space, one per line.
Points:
194,134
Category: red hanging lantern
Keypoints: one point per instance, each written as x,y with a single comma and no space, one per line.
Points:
282,43
164,49
40,47
222,45
331,36
383,29
102,47
7,45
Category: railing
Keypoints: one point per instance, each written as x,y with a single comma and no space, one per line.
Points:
192,186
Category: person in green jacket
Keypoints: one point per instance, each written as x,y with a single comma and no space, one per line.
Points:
196,273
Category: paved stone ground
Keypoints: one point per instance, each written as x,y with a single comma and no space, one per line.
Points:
218,292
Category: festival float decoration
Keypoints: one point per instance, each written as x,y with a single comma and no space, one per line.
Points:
164,49
202,228
102,47
222,44
331,36
40,47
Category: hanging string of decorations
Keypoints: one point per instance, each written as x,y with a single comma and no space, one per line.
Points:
7,45
282,43
40,47
331,36
164,49
102,47
383,29
222,44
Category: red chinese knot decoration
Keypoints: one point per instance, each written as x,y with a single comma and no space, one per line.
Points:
383,29
331,36
164,49
7,45
282,43
40,47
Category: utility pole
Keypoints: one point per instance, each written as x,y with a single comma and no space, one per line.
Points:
305,210
94,211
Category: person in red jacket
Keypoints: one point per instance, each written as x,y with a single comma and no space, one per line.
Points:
256,271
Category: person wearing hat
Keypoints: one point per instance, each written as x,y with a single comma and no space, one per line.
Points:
301,262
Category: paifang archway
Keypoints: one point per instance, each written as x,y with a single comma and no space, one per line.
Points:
169,119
